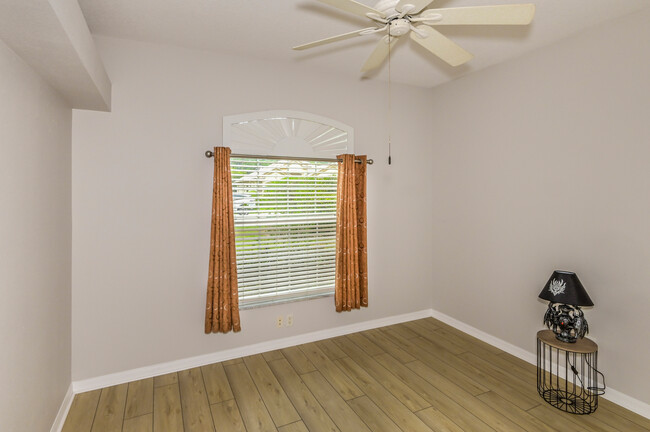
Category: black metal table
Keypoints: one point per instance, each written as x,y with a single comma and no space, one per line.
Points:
567,376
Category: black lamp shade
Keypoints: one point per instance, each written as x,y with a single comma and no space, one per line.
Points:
565,287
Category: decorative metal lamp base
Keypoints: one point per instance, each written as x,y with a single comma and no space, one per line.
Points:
566,321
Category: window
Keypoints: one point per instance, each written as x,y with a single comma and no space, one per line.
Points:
285,229
285,210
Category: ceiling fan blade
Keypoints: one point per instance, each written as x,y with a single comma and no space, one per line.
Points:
441,46
416,5
379,54
353,7
516,14
333,39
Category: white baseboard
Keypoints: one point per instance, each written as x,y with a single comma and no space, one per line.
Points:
634,405
63,411
611,395
202,360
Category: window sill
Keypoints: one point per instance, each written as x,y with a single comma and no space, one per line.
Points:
278,302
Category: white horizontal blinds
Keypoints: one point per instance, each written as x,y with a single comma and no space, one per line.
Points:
285,228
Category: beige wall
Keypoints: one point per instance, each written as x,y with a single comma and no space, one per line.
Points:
142,197
35,248
543,163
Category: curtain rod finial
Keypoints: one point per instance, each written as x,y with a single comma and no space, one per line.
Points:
209,154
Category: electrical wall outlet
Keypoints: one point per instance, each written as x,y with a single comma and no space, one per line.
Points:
279,321
289,320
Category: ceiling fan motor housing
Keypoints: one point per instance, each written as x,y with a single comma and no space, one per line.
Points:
399,27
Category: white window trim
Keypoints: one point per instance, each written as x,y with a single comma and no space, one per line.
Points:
229,134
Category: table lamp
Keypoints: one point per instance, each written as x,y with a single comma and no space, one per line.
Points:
564,317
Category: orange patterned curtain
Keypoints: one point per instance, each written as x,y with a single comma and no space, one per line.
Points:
351,287
222,305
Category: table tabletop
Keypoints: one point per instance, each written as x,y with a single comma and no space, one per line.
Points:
582,346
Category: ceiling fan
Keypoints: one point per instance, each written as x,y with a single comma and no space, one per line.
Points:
398,17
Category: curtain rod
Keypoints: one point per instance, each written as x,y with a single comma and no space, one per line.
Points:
210,154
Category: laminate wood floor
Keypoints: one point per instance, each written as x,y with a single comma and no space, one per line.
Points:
417,376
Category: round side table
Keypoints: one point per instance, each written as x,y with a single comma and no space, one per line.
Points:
567,375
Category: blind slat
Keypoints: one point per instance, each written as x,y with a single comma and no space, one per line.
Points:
288,259
307,269
270,291
266,246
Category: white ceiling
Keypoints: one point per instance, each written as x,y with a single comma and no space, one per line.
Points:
52,37
267,29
